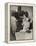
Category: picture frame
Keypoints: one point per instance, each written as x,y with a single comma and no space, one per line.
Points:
8,17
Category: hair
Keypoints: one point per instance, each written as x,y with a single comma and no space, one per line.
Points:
19,8
26,14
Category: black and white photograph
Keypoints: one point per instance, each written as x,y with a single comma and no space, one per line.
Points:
21,22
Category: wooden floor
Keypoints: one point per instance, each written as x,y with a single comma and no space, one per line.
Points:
23,36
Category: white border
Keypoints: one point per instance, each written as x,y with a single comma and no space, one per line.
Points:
34,14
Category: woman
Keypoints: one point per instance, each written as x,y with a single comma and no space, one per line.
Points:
26,23
13,27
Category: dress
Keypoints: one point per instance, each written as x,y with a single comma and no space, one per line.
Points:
13,23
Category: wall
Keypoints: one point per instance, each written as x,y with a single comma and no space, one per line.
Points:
2,23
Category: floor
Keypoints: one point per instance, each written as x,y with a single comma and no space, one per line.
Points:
23,35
